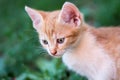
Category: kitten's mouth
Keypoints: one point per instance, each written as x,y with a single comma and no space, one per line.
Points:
56,55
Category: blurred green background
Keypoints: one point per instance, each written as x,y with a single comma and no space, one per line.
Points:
22,57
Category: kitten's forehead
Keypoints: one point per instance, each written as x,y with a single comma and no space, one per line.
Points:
49,26
52,29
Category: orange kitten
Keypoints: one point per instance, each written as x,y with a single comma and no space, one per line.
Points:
91,52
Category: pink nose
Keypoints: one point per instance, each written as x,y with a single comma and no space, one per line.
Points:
53,52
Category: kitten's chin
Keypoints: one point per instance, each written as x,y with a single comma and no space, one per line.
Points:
57,55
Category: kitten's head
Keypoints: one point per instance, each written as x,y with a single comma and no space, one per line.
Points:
58,30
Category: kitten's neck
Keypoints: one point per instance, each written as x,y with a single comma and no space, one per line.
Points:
83,46
84,38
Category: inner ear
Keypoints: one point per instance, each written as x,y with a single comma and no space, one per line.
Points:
70,14
35,16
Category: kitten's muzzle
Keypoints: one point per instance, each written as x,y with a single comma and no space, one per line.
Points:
53,52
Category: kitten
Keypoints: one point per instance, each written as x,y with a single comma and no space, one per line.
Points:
91,52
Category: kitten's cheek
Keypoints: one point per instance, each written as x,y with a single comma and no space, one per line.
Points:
49,53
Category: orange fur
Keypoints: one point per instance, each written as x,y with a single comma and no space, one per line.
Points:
109,38
91,52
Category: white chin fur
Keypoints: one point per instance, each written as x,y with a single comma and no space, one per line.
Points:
58,55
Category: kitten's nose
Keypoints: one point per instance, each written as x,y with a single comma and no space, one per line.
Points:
53,52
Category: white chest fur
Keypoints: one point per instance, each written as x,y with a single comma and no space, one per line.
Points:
90,61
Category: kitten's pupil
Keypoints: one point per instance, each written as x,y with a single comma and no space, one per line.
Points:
45,42
61,40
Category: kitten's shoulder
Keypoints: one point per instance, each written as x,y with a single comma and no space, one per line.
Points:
108,37
106,33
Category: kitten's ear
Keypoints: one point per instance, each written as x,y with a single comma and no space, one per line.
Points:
35,17
70,14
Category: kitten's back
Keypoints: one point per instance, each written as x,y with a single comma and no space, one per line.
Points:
109,39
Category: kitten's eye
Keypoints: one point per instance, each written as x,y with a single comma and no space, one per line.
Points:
61,40
45,42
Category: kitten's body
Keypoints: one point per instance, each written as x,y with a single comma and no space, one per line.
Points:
91,52
99,52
